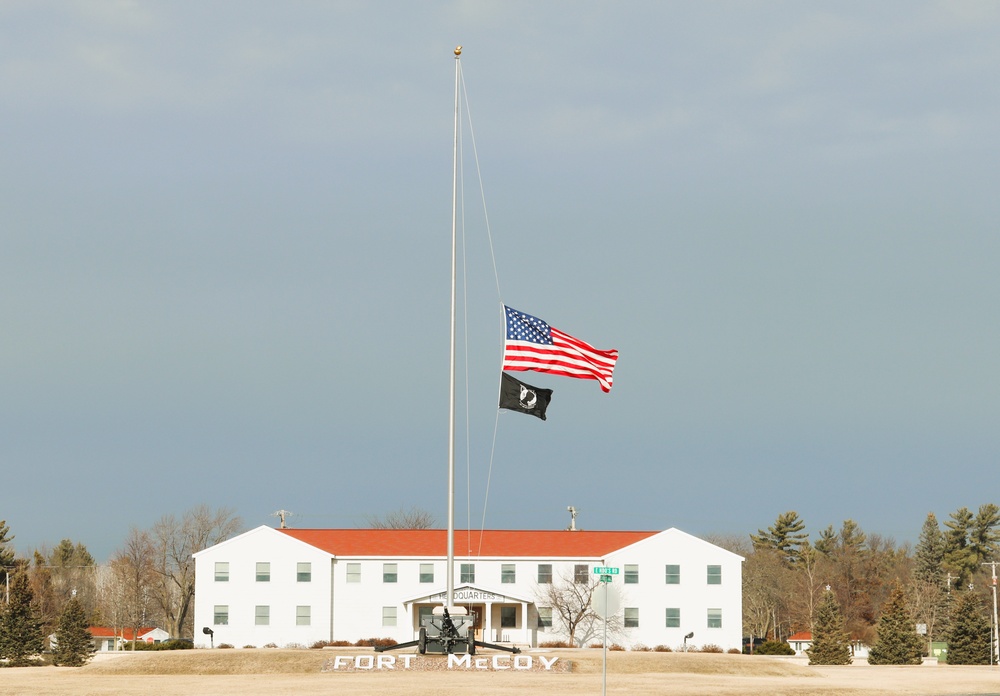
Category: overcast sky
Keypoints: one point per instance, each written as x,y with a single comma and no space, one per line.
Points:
224,261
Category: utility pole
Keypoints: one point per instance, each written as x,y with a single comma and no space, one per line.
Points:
995,633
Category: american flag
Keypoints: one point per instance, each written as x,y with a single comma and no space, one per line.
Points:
534,345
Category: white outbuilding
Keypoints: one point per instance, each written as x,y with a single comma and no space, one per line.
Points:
300,586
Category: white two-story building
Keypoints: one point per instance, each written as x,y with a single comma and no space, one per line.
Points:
300,586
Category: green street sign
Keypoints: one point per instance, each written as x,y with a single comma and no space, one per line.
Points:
602,570
606,578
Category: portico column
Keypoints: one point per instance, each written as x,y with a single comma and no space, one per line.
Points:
524,622
488,622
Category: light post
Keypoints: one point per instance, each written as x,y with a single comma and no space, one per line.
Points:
689,635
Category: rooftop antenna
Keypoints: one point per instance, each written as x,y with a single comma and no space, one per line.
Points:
572,519
281,514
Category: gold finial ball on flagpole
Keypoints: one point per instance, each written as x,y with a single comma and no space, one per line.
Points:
458,51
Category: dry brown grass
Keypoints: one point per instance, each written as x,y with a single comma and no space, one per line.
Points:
271,671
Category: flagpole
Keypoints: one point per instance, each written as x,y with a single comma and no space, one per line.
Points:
450,593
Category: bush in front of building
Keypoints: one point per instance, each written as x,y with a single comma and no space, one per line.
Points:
662,648
555,644
712,648
320,644
774,647
376,643
172,644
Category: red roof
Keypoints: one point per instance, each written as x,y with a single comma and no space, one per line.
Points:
124,633
429,543
800,636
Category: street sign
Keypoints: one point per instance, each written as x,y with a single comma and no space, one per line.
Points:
602,570
606,578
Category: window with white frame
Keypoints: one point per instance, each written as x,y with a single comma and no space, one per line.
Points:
714,575
353,572
580,574
303,615
673,617
220,615
631,617
544,573
715,618
507,574
426,572
261,615
389,572
508,617
303,572
545,617
631,574
263,571
388,616
222,571
673,575
468,572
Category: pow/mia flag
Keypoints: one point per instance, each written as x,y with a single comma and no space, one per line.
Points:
524,398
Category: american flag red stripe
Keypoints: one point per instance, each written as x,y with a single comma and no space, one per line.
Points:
532,344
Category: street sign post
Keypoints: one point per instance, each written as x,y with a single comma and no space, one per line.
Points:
605,607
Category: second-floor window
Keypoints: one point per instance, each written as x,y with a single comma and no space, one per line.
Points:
468,572
507,574
714,575
389,573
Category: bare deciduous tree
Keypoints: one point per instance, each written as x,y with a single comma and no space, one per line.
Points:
174,541
414,518
573,605
133,572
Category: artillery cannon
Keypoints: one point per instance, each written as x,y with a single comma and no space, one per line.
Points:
446,632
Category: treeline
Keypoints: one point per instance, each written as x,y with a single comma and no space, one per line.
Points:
787,574
149,581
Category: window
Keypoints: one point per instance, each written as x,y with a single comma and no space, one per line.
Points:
426,572
468,572
715,618
303,572
673,575
631,617
303,616
263,572
507,575
673,617
424,613
389,572
714,575
631,574
353,572
221,615
545,617
221,571
388,616
580,574
261,615
544,573
508,617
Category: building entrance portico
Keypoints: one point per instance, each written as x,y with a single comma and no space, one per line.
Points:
499,618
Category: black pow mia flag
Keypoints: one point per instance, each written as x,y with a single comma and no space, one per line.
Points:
524,398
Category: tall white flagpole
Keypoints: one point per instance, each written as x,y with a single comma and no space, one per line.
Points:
450,594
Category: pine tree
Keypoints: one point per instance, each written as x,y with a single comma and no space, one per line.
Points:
898,642
959,557
74,644
929,553
830,643
970,642
20,628
785,536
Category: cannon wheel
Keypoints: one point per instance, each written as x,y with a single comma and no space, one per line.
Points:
472,646
422,642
